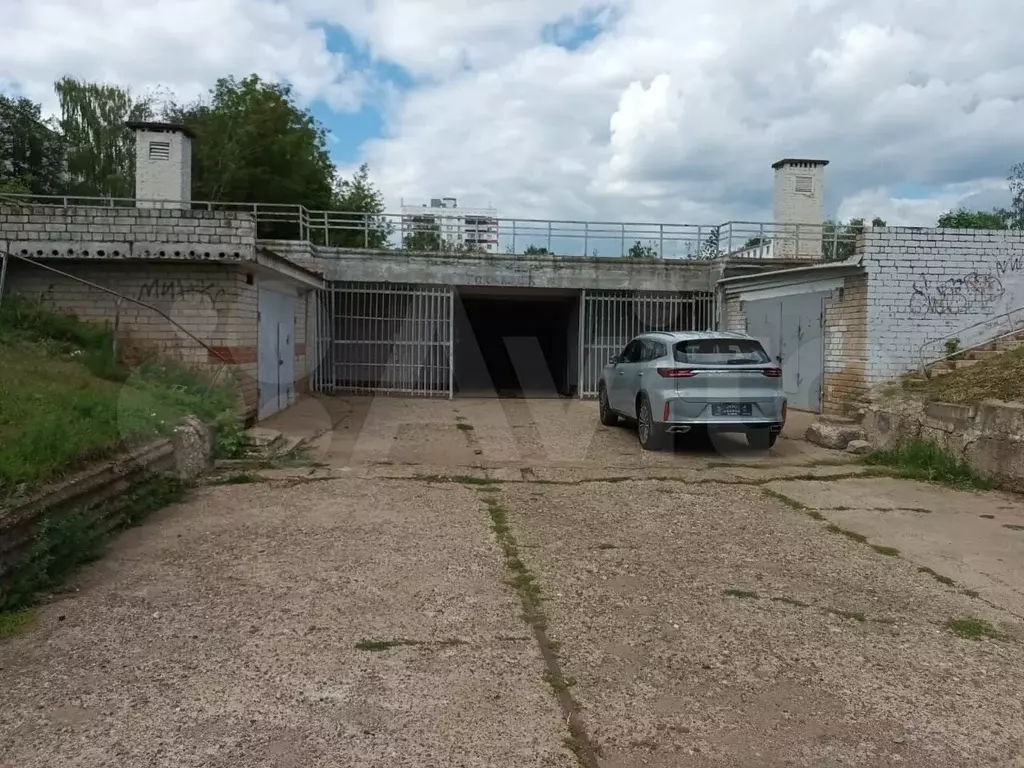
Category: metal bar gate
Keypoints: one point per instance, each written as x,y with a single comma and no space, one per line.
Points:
385,338
611,318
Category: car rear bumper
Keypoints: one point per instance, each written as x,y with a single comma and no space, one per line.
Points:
759,412
681,427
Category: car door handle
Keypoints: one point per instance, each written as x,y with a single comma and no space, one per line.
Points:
622,373
640,374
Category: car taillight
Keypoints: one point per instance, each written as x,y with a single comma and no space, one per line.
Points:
664,416
676,373
772,373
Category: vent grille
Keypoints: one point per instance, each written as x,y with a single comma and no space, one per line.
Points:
159,150
805,184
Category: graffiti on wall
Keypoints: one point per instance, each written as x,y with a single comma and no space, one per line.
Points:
968,294
176,289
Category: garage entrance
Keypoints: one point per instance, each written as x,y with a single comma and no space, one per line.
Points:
519,343
790,329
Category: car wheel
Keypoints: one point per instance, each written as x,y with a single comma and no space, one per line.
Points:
649,432
608,417
762,439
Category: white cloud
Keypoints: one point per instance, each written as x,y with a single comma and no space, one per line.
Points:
181,45
674,111
677,110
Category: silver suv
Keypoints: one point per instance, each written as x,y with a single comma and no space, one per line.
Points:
671,383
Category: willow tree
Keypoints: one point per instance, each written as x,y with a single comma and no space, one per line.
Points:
100,148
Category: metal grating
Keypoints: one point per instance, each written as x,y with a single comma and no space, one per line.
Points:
390,338
611,318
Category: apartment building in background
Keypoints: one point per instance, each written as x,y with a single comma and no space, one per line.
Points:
443,222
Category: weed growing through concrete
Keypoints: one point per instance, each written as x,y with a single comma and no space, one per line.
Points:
973,628
937,576
926,461
784,499
16,622
887,551
489,489
988,517
742,594
470,480
1014,527
815,515
852,535
376,646
606,545
970,592
238,478
464,426
790,601
525,584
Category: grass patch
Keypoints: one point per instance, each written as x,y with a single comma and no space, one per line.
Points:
887,551
790,601
998,378
489,489
384,645
742,594
851,535
557,681
970,592
988,517
1014,527
973,628
815,515
851,615
606,545
65,400
464,426
926,461
784,499
64,541
470,480
238,478
17,622
937,576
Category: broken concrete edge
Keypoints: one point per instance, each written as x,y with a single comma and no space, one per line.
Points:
833,435
186,454
988,436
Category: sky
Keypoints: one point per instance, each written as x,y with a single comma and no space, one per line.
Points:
613,110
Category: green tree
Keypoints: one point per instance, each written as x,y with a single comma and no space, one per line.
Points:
31,150
365,227
640,250
254,144
839,240
710,248
1015,216
962,218
425,235
754,242
533,250
100,147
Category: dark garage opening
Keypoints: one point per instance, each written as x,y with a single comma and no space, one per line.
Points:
516,344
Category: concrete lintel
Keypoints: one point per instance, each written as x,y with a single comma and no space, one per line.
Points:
121,251
663,275
278,266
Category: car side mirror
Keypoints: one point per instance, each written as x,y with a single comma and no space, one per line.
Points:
613,360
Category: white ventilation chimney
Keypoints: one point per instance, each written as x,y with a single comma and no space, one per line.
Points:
799,198
163,165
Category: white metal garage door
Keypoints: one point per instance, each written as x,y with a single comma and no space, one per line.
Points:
611,318
790,330
389,338
275,355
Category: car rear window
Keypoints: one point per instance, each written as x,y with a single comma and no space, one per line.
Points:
720,352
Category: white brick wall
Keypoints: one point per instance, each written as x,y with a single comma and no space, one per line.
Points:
924,284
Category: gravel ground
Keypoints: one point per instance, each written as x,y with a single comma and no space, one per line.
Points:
698,619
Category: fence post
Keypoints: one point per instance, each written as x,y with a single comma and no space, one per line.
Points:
366,229
513,235
622,248
3,274
586,238
549,238
661,241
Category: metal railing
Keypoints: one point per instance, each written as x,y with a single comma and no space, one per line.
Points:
1010,323
446,231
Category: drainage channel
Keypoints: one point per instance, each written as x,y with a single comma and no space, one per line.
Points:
528,590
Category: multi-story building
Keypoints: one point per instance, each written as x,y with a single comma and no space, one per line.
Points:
442,225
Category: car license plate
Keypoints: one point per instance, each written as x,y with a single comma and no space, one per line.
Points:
730,409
